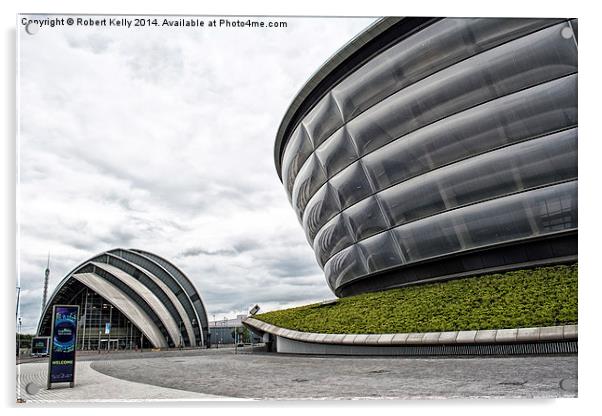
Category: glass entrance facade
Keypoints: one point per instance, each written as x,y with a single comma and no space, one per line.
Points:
94,331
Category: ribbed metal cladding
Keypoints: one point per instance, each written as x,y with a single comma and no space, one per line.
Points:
202,324
179,284
461,137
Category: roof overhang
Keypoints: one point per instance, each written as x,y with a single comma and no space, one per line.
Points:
376,38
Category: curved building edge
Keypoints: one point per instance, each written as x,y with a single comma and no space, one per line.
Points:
375,38
535,340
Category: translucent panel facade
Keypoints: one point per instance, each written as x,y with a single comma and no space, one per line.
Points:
455,139
154,303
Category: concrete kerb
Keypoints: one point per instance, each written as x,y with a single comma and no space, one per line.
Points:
431,338
506,335
313,337
570,332
303,336
551,333
527,335
466,337
485,336
489,336
348,339
415,338
399,339
372,339
386,339
448,337
361,339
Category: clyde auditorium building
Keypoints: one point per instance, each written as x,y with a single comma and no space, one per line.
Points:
428,149
148,301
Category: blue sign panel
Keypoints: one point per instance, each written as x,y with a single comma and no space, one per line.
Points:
39,346
61,366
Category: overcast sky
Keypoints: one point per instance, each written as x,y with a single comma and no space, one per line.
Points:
162,139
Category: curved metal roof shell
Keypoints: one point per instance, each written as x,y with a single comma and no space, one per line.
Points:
150,291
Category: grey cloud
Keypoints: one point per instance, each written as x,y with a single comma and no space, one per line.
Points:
118,236
163,141
291,267
195,251
155,61
245,245
95,43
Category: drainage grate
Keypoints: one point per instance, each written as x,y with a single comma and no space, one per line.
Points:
564,347
285,345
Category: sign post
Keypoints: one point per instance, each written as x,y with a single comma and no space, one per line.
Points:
61,365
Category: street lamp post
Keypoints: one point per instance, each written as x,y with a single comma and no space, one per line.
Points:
193,324
110,323
85,319
19,300
19,343
91,317
18,321
180,334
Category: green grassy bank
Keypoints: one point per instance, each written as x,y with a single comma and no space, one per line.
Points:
525,298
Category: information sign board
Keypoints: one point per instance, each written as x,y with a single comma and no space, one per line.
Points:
61,365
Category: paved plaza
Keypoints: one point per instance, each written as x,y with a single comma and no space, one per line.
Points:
223,375
92,386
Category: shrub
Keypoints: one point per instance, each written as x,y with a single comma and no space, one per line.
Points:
525,298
